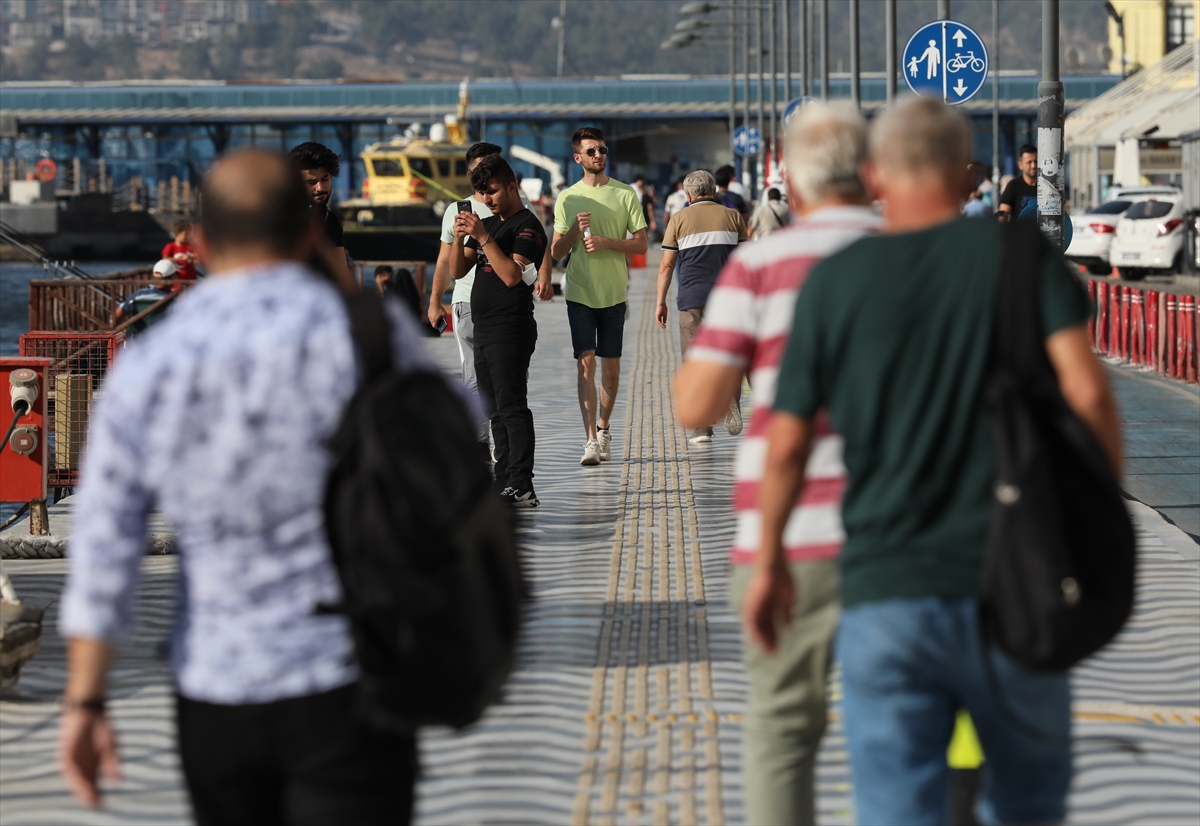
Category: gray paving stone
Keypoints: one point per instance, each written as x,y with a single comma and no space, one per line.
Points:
620,570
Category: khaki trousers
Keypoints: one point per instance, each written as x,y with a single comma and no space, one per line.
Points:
787,709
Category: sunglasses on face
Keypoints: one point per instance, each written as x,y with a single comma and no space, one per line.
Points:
597,150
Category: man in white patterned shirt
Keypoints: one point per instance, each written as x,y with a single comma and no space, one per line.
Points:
219,417
746,325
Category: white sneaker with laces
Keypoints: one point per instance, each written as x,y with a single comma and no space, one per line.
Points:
733,419
702,437
591,454
604,444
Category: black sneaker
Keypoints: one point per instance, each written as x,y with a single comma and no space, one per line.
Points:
523,499
507,494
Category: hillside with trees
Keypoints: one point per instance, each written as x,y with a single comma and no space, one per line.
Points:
446,39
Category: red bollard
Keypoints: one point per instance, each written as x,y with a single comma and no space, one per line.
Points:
1164,348
1187,319
1152,329
1125,301
1114,321
1172,348
1101,342
1091,293
1137,326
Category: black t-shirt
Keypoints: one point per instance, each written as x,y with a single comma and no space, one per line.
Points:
332,224
1018,195
647,205
498,311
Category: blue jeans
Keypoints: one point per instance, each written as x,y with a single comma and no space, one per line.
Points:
908,665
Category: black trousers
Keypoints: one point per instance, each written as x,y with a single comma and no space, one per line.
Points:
301,761
502,370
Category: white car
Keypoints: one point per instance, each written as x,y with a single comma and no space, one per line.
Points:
1092,233
1149,238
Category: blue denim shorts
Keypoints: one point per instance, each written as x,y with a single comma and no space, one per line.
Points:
908,666
602,330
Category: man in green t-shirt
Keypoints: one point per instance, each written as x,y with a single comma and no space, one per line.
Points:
598,221
892,336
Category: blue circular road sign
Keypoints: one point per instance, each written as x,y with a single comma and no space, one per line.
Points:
793,107
747,141
945,59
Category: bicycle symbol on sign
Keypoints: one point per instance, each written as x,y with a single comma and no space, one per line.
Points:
965,61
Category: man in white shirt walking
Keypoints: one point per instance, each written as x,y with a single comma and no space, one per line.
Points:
219,416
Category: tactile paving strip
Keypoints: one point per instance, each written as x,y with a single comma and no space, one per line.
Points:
651,751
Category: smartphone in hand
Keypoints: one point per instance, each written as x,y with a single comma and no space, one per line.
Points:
441,325
464,207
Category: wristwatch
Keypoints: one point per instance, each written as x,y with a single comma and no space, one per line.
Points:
96,705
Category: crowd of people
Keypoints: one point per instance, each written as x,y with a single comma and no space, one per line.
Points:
861,315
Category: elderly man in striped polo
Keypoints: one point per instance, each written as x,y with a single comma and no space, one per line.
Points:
700,239
745,328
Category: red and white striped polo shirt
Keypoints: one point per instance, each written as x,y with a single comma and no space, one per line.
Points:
746,324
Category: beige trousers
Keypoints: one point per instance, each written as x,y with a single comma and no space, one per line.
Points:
787,709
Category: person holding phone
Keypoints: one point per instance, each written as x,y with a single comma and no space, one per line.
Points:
460,302
504,250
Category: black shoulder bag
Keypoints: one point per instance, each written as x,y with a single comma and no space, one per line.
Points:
1058,572
425,549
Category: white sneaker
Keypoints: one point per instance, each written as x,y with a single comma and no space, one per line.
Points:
524,499
591,454
702,437
733,419
604,444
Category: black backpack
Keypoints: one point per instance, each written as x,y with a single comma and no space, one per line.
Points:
1058,572
424,547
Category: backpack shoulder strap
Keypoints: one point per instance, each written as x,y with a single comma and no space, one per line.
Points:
371,331
1020,345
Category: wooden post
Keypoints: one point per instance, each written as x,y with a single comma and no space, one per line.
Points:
175,194
77,169
39,518
187,197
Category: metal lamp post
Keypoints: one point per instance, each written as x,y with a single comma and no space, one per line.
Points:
889,51
1119,19
855,69
1050,131
688,32
824,49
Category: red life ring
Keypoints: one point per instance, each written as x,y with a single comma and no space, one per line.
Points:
47,170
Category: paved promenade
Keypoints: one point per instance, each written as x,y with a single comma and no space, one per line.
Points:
626,705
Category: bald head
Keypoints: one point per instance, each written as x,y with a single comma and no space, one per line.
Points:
922,137
253,199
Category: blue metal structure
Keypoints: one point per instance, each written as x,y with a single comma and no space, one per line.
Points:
158,130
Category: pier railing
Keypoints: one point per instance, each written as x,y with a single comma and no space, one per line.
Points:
80,361
79,305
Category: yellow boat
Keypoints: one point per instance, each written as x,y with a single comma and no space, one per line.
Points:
408,185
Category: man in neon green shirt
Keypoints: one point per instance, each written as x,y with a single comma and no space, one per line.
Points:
599,221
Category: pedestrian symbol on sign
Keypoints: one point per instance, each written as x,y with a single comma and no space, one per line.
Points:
932,56
945,59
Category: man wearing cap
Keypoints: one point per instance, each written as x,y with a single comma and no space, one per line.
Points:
145,298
